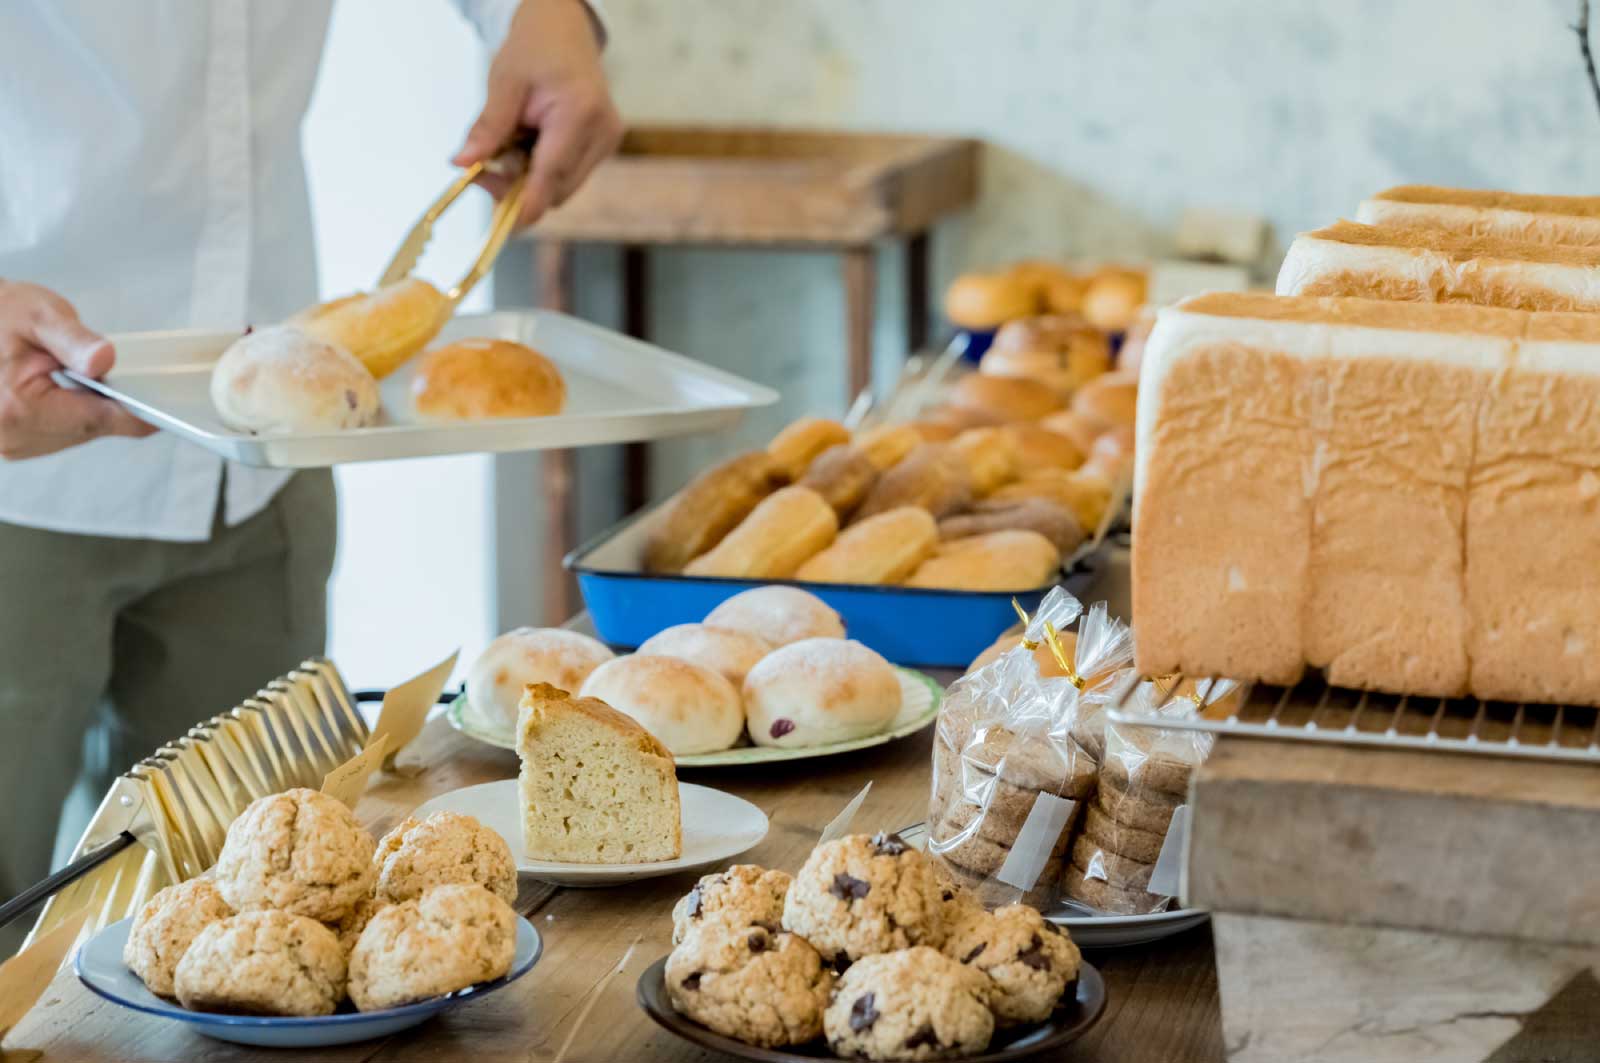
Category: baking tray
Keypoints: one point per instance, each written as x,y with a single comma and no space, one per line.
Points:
911,626
618,390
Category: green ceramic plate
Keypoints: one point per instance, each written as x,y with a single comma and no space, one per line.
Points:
919,704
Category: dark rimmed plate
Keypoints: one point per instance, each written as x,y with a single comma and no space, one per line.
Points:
1069,1023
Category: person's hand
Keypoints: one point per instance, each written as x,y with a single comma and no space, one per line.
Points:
40,333
547,76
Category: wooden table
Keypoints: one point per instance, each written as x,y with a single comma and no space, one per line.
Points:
1162,998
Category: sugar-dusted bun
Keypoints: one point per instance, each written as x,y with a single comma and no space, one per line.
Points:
882,549
888,445
1007,398
529,655
1114,297
990,455
820,691
1080,431
1040,448
799,444
689,708
724,650
1058,351
282,379
1013,560
483,378
382,328
778,536
988,300
1111,401
779,615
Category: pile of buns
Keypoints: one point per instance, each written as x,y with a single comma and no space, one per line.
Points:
1107,298
1390,470
770,666
319,371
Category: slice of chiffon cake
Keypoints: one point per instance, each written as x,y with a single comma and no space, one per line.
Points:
595,787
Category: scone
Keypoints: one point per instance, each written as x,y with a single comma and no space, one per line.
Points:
263,963
447,939
778,615
689,708
744,893
348,930
916,1003
301,852
527,655
820,691
445,848
858,895
1031,961
724,650
753,983
165,928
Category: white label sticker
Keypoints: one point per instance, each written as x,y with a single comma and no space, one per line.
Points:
1038,836
1166,878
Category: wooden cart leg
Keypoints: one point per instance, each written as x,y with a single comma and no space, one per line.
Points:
860,290
917,291
553,261
636,323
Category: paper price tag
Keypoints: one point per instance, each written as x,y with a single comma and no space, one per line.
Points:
405,708
1038,836
841,822
348,780
25,976
1166,878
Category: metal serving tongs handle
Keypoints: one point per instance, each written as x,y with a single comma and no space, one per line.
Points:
506,212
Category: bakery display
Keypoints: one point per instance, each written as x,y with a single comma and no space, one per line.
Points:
1420,577
1010,560
384,328
1061,352
595,786
778,615
1475,212
282,379
445,938
689,708
800,443
697,517
728,651
485,378
819,691
1440,266
784,529
528,655
884,548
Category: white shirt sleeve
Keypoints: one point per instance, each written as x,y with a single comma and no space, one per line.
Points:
492,18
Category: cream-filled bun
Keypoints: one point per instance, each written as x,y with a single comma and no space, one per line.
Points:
281,379
483,378
778,615
528,655
732,653
689,708
819,691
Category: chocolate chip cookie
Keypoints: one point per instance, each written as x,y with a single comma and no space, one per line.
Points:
861,895
1031,961
915,1003
744,893
755,984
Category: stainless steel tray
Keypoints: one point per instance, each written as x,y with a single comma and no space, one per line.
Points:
618,390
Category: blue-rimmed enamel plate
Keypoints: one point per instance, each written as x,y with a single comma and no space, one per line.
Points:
99,966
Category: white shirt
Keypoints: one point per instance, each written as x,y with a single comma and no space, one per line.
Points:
151,173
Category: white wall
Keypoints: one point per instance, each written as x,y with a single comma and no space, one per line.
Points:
400,83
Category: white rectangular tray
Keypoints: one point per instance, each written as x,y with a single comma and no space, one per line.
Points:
618,390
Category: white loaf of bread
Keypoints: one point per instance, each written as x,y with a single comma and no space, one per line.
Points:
1437,266
1508,215
1407,496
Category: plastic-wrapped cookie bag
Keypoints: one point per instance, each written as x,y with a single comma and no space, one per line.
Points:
1008,776
1127,855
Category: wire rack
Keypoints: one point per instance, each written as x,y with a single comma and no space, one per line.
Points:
1313,711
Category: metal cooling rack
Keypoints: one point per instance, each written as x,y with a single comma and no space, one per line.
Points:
1313,711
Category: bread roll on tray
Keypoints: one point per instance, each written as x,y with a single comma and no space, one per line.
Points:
797,446
1058,351
820,691
888,445
1005,398
697,517
1049,518
1114,298
885,548
785,529
1107,402
984,301
990,455
483,378
842,475
383,328
933,477
282,379
1080,431
689,708
1012,560
1087,496
1040,448
1474,212
779,615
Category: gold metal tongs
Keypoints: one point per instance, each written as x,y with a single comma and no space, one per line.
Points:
515,159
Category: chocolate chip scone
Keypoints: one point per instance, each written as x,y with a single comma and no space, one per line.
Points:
857,896
165,928
1031,961
450,937
301,852
262,963
444,849
752,983
916,1003
744,894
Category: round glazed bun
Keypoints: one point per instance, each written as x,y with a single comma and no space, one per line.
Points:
1058,351
477,379
688,708
732,653
1008,398
1114,297
819,691
988,300
382,328
528,655
778,615
281,379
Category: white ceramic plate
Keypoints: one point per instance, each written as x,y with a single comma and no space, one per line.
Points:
716,826
919,705
1101,931
99,967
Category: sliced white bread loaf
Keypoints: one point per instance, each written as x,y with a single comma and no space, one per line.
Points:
1407,496
1476,212
595,787
1438,266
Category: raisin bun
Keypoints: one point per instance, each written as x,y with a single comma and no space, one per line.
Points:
282,379
820,691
